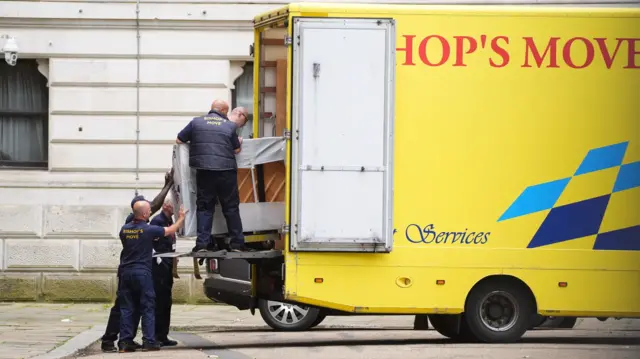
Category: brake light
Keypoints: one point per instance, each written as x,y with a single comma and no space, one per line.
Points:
213,265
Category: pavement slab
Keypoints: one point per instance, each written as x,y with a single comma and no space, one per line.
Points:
29,330
590,339
41,331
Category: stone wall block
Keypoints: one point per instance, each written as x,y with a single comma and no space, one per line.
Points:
78,287
80,222
17,221
20,286
182,289
41,255
197,292
100,255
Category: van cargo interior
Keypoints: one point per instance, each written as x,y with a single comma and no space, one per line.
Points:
262,185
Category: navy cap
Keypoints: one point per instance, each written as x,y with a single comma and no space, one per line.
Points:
137,199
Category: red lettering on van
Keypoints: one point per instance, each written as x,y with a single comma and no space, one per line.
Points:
576,52
604,50
566,53
500,51
460,49
551,49
408,49
422,50
633,51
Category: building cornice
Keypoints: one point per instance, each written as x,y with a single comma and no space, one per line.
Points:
282,3
165,25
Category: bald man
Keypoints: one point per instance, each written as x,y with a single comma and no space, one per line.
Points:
213,143
219,106
136,292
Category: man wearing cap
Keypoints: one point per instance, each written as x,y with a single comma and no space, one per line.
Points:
113,324
213,145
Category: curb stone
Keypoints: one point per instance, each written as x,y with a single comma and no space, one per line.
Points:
75,344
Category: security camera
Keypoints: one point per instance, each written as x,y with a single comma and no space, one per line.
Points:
10,50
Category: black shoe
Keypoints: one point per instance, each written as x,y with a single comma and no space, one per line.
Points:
198,249
212,246
168,343
146,347
127,347
137,345
108,347
240,248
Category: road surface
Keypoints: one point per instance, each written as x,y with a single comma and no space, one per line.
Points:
614,339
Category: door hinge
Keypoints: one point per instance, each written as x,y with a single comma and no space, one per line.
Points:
287,40
285,228
286,134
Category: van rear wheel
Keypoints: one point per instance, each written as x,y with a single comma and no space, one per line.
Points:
499,311
287,317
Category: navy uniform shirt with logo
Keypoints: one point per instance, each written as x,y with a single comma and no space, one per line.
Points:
128,220
213,139
137,245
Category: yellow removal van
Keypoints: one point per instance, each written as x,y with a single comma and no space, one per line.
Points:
477,164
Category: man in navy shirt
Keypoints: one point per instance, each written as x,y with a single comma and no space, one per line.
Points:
213,144
136,293
163,275
113,324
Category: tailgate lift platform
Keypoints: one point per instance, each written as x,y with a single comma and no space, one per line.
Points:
224,254
221,254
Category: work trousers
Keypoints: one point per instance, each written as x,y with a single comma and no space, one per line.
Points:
113,324
223,186
137,293
163,284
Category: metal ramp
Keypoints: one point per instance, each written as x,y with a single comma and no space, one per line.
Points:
225,254
221,254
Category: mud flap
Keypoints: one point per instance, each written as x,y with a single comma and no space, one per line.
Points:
421,322
254,298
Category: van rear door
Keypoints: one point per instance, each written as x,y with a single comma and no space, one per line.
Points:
342,134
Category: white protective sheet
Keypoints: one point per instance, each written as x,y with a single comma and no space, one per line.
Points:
255,216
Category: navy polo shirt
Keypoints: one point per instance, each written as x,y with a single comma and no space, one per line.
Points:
129,218
137,245
212,141
165,244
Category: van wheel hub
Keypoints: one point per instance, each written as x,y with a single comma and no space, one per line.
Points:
499,311
287,313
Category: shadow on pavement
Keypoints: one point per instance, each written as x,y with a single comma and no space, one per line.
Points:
583,340
329,329
370,342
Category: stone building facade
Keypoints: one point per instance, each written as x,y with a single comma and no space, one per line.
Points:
88,117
